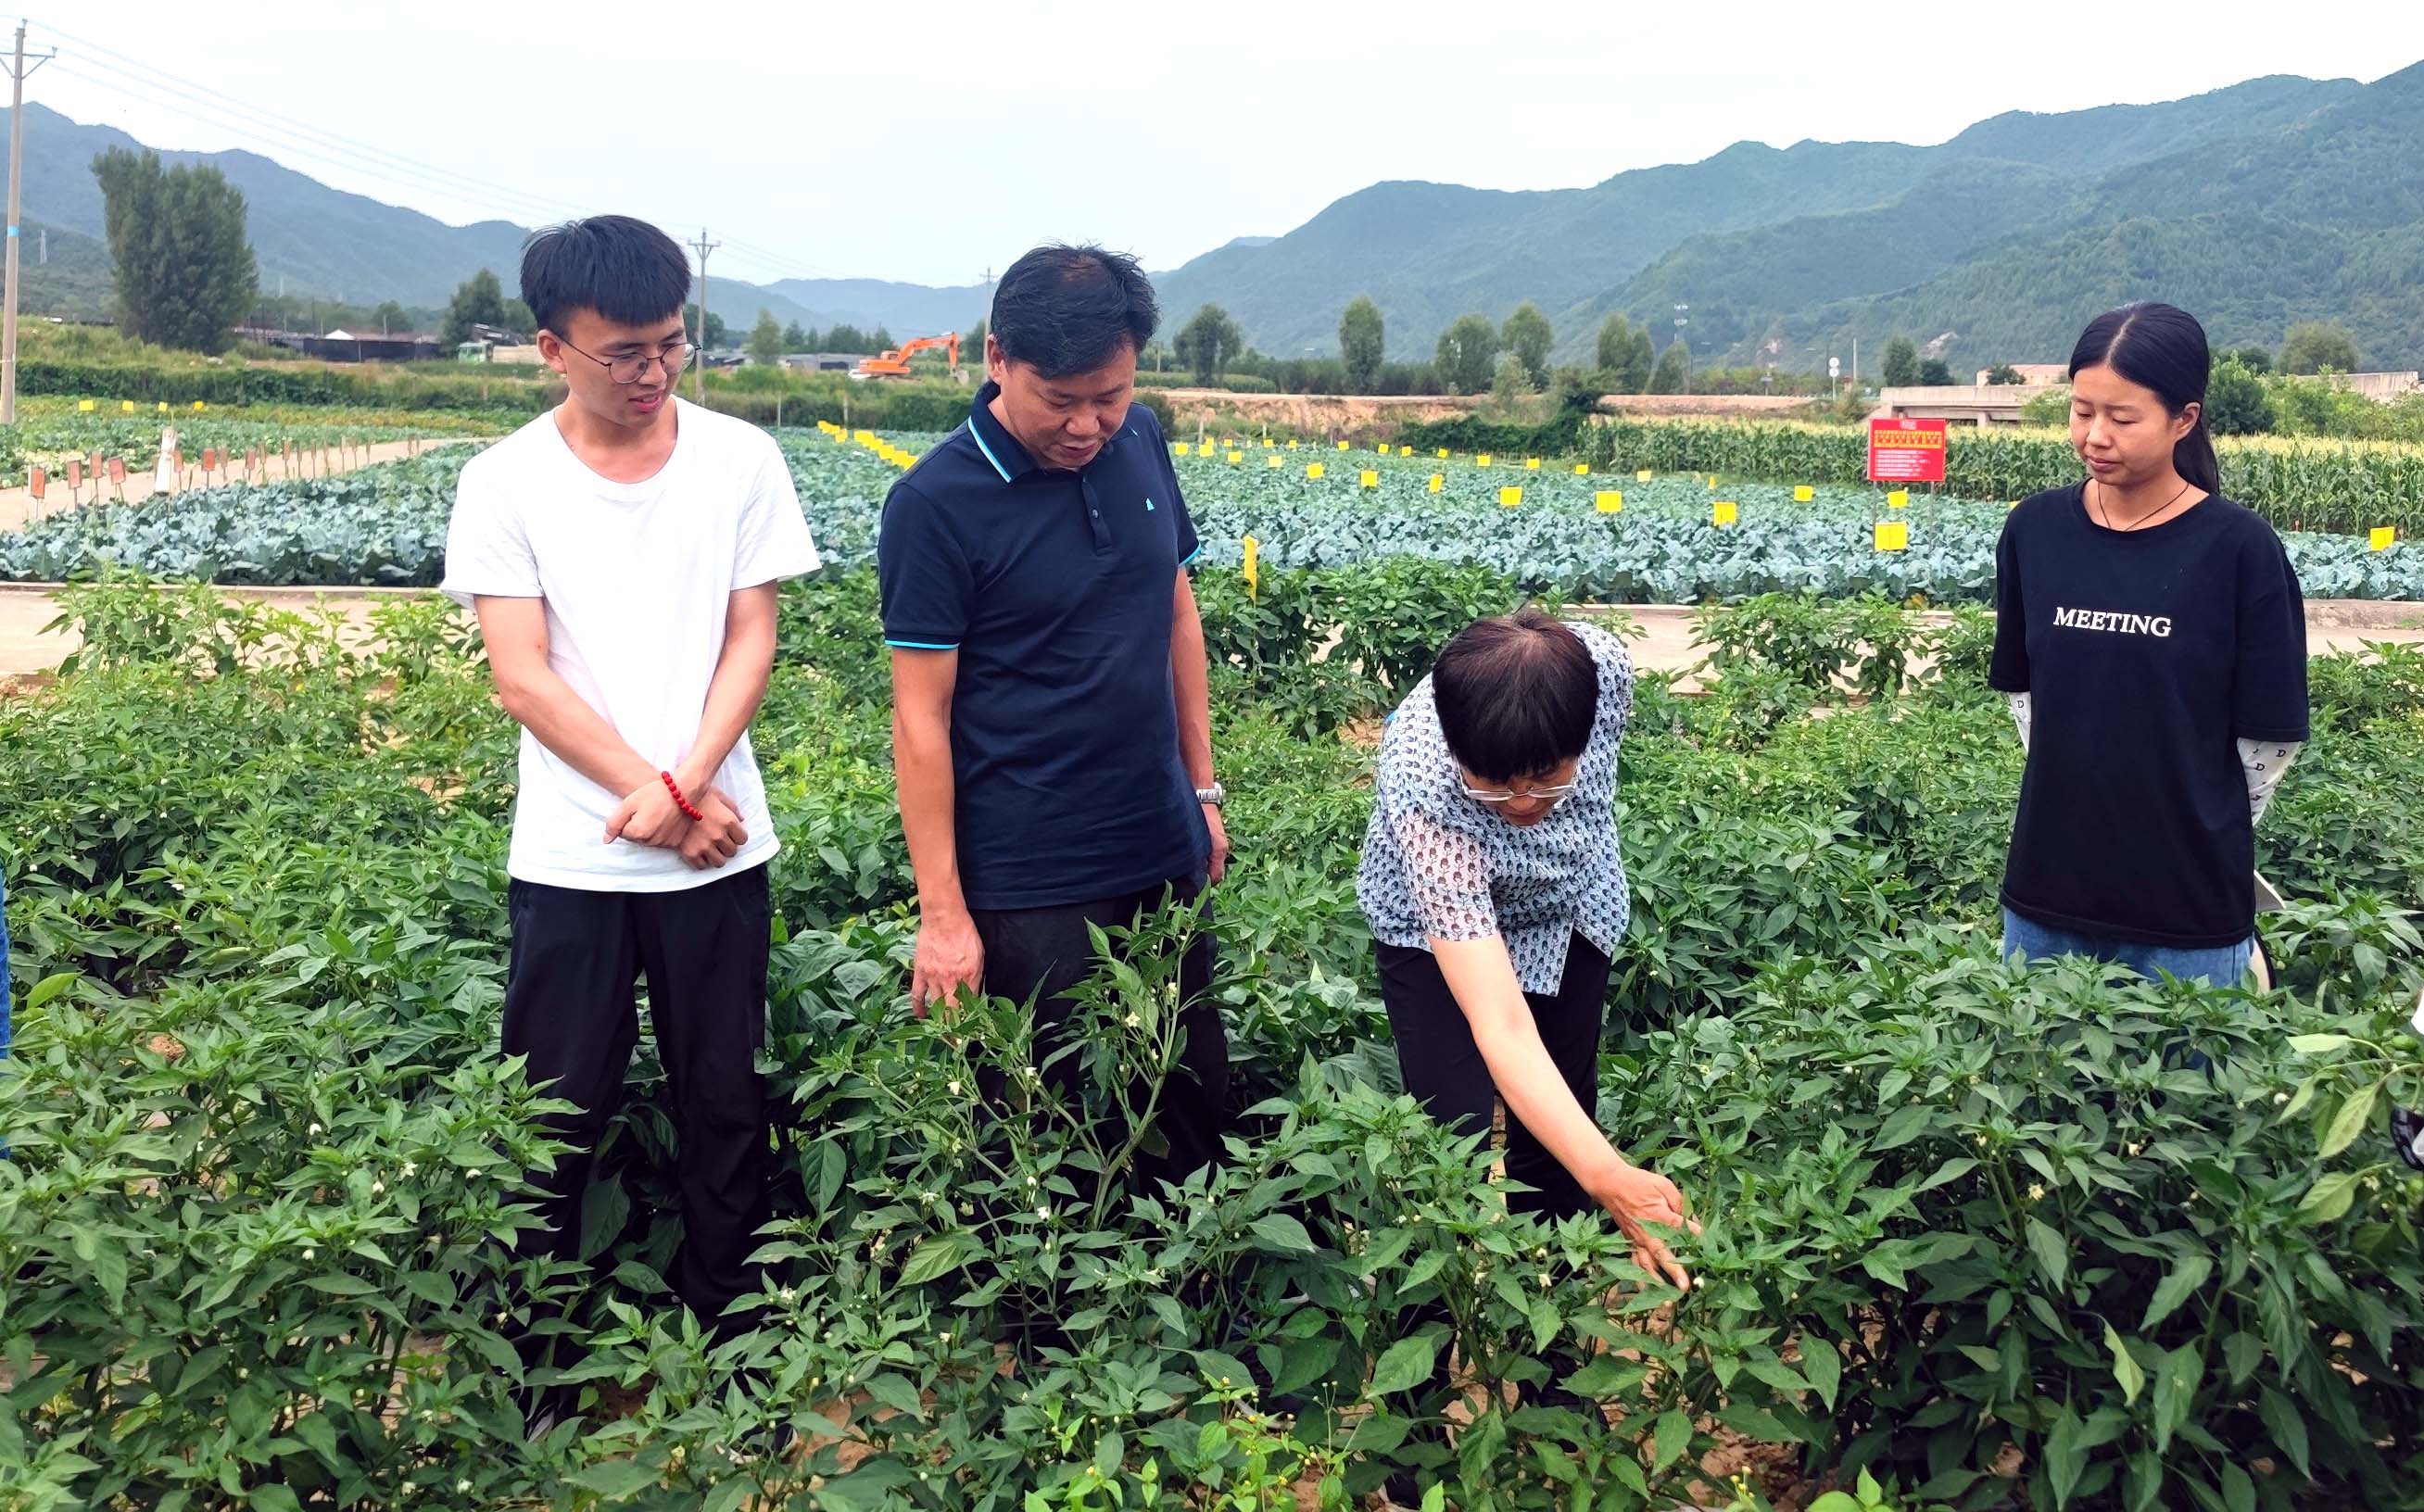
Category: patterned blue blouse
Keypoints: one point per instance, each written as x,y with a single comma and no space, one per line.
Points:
1437,865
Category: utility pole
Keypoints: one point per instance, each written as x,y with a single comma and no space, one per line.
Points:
702,247
16,71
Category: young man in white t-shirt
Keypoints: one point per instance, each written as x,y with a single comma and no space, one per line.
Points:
623,554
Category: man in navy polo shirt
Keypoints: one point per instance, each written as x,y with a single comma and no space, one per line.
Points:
1051,734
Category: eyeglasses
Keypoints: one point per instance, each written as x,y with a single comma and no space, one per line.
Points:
1500,795
673,357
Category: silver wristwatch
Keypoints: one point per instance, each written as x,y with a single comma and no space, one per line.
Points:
1213,795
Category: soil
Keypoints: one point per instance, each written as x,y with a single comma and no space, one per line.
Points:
30,653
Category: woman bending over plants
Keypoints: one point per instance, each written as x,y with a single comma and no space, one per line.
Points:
2151,637
1495,892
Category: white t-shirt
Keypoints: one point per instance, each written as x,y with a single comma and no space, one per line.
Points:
636,577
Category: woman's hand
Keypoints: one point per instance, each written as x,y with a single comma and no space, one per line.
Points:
1635,1199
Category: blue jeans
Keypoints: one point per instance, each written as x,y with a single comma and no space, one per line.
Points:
2224,966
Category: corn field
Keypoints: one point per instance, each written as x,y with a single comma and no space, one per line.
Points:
2339,487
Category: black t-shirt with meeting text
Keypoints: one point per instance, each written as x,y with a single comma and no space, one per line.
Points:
2147,656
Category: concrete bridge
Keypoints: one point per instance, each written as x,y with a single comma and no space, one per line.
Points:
1962,404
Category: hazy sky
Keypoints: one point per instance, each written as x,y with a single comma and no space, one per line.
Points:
928,142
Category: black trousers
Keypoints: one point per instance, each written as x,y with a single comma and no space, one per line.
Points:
1443,1070
1046,951
570,1007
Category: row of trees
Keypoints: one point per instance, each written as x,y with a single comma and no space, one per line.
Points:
1473,354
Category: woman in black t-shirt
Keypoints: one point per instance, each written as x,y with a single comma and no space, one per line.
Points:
2151,638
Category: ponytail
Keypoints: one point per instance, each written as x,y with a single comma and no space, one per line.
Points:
2194,458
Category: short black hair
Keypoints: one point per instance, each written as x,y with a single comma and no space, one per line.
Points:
625,269
1517,695
1065,309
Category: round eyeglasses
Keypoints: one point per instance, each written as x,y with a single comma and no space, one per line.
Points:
673,357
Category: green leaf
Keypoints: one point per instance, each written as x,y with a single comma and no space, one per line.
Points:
939,1255
1405,1365
1952,1170
1282,1233
274,1498
1822,1363
2176,1387
1672,1436
2065,1457
2329,1197
2187,1274
48,988
2126,1371
2052,1254
1835,1502
2349,1122
2238,1489
2289,1428
1902,1126
614,1479
1545,1323
2315,1045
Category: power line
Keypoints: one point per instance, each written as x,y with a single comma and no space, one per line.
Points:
200,102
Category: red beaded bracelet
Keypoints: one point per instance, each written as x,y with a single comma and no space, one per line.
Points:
680,802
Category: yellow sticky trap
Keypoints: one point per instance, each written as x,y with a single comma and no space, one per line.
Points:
1899,499
1531,464
1368,478
1405,450
1481,459
1443,453
1266,443
1724,513
1510,497
1342,446
85,405
198,403
1182,448
1643,475
164,406
1252,583
1291,443
1271,462
1438,482
2381,536
1892,534
1582,469
126,406
1610,500
1803,493
1236,457
1313,469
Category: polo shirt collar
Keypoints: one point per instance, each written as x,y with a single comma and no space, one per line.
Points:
1009,460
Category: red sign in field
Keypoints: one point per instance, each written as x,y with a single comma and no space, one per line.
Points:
1906,451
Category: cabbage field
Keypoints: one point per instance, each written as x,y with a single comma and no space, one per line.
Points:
386,525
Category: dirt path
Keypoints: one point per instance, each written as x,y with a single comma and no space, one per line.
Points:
18,506
1667,643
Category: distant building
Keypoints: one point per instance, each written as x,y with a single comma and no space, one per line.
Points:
2033,374
343,345
493,343
818,362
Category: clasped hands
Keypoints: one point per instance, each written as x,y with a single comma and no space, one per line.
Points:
648,815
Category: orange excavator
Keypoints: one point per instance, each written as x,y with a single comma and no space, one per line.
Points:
895,363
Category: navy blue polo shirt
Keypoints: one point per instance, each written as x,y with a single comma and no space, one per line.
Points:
1057,589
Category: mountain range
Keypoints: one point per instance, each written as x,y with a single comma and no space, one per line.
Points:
2278,200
